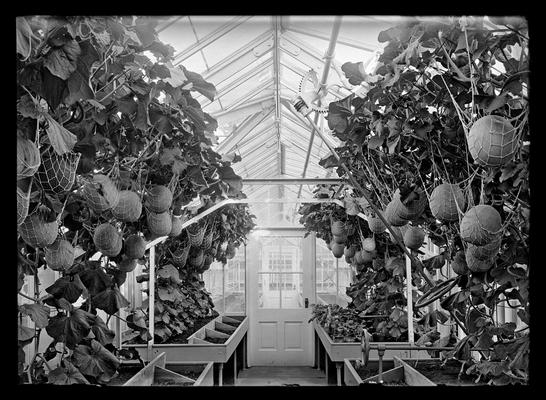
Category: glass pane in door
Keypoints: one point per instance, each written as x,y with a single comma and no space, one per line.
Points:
292,290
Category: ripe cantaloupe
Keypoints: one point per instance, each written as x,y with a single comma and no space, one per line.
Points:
480,225
476,265
368,244
340,239
376,225
59,255
108,240
158,198
492,141
444,200
135,246
36,232
160,224
337,249
338,228
129,207
392,216
100,193
127,264
363,256
414,237
57,173
486,251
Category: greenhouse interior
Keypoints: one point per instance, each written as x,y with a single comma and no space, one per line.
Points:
273,200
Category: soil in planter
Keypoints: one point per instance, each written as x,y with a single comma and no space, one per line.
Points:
170,382
446,374
192,372
216,340
125,373
234,324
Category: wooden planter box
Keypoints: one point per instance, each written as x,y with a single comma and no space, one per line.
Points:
157,374
436,375
199,348
393,374
338,352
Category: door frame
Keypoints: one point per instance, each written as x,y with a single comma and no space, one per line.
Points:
312,292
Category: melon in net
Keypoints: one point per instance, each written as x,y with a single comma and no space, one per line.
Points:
108,240
414,237
158,199
135,246
338,228
487,251
57,172
59,255
444,200
492,141
37,231
338,249
480,225
28,158
177,222
376,225
23,201
160,224
100,193
368,244
392,216
476,265
127,264
129,207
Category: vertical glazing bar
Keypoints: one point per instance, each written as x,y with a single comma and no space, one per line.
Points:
409,296
151,301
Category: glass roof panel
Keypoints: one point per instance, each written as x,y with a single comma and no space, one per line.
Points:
242,34
205,24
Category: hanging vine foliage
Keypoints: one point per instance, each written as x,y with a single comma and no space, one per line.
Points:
448,104
104,118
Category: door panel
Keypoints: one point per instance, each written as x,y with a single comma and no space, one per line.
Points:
280,277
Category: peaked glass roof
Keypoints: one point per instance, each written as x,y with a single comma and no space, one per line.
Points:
257,64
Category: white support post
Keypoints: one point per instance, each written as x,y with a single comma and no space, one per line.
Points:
151,301
409,296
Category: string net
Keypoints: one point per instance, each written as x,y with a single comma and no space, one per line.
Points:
492,141
23,202
180,255
196,233
207,239
58,172
37,231
26,166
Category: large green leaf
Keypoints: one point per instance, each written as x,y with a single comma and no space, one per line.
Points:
110,300
69,287
60,138
169,271
207,89
95,279
61,61
103,334
70,329
25,334
37,313
67,375
96,361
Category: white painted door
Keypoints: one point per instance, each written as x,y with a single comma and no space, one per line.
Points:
280,279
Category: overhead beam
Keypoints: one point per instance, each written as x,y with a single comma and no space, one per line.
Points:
239,59
239,81
341,39
208,39
252,107
291,181
250,94
242,131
